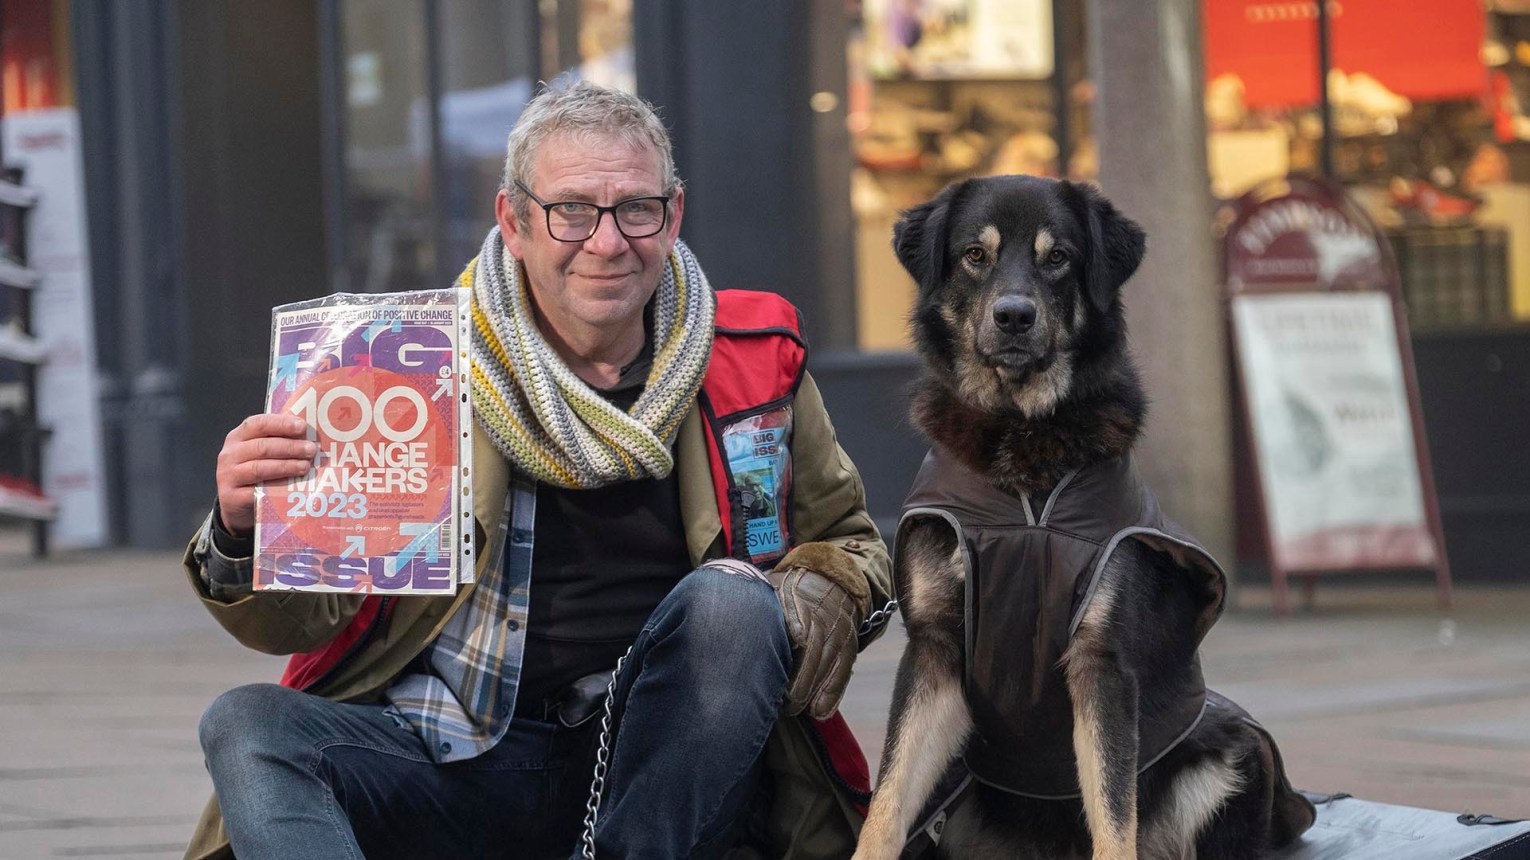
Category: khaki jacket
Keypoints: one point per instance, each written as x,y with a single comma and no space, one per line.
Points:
809,814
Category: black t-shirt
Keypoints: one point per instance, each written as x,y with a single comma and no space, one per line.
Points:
603,559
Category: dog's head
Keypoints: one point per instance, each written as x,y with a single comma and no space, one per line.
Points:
1019,283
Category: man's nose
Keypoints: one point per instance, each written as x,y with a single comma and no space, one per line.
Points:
608,240
1014,314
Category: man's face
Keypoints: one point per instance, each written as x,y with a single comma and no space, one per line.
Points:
605,281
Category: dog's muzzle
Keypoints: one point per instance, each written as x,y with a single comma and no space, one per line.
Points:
1014,315
1011,339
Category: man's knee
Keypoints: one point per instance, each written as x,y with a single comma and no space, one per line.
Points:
729,609
732,645
244,717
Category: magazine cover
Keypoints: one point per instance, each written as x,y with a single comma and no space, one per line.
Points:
387,507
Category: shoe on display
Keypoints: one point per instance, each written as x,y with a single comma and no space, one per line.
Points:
22,498
1366,94
17,345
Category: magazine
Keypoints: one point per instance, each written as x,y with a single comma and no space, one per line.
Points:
381,380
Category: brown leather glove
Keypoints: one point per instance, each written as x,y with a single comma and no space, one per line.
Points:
825,598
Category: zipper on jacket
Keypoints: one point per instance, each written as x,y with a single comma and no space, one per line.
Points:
361,642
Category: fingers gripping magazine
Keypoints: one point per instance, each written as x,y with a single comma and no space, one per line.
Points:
387,507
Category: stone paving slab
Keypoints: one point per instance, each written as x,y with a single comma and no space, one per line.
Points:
108,663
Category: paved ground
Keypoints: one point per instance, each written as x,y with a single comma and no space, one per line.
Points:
108,663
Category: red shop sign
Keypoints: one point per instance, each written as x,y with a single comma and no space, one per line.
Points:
1422,49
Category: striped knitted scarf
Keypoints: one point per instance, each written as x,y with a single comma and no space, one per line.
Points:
548,422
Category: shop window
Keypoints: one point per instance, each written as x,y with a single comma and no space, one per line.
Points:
493,53
940,90
390,236
38,67
1429,104
489,64
420,184
603,51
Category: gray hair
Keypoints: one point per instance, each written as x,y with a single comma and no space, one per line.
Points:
586,110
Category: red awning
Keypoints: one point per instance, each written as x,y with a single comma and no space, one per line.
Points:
1422,49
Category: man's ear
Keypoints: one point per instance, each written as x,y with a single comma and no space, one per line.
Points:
919,238
1116,246
509,227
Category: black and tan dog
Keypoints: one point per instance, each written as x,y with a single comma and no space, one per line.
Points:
1051,681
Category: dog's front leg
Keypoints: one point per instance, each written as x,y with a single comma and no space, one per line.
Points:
1104,692
930,726
929,721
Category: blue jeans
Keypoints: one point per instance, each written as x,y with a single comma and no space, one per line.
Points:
299,776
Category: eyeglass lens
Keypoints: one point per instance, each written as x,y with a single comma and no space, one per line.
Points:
578,221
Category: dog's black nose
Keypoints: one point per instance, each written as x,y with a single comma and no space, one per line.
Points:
1014,315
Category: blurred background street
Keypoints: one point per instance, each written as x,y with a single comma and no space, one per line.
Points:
109,663
1332,320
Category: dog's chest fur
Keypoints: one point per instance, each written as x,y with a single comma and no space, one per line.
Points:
1029,455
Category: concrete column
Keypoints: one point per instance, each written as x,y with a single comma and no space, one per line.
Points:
1146,62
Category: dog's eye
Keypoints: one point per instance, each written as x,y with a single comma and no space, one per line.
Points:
975,255
1057,257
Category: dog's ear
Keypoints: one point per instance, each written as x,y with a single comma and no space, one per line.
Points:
1116,248
919,238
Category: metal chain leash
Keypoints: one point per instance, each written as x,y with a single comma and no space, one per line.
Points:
602,760
878,617
603,754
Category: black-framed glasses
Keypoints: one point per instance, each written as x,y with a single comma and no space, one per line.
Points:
575,221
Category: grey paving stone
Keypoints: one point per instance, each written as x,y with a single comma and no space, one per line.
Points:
106,664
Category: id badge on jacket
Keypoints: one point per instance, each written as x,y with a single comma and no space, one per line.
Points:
758,449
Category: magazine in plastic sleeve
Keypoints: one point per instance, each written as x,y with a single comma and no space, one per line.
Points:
387,508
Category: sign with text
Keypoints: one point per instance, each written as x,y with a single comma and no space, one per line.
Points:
1335,446
47,145
381,382
1329,404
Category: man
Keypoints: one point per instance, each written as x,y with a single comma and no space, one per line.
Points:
610,388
